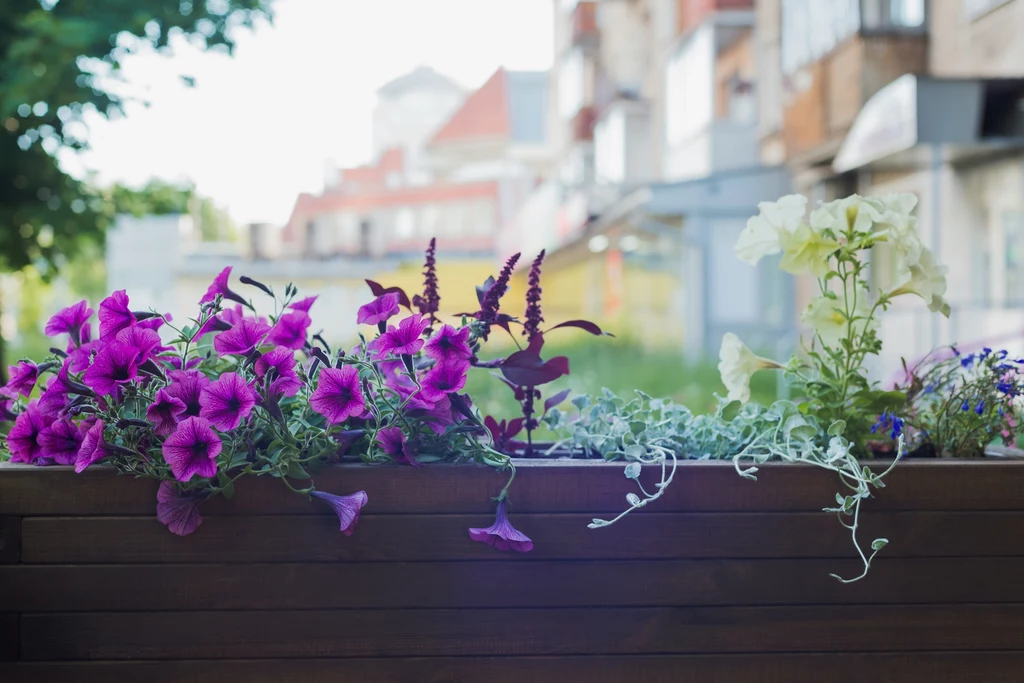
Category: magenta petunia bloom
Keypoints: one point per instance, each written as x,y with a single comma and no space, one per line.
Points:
241,339
449,344
392,440
303,304
220,286
502,535
154,323
145,342
23,439
23,377
80,357
346,507
192,449
180,513
164,412
379,310
439,416
61,441
227,401
186,386
55,397
290,330
443,379
174,361
114,315
282,361
115,364
234,315
70,321
338,395
94,447
404,339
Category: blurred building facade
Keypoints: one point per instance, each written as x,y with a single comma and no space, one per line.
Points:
449,165
654,123
878,96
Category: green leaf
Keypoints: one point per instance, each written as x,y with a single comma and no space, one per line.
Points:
879,543
837,428
296,471
633,470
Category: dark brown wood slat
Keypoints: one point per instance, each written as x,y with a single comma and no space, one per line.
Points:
942,667
541,486
500,632
9,637
77,588
10,540
120,540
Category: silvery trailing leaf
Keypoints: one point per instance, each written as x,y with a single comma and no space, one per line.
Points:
635,451
633,499
633,470
581,401
879,543
837,428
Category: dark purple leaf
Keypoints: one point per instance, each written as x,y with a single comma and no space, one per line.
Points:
497,429
527,369
481,290
583,325
379,290
556,399
514,427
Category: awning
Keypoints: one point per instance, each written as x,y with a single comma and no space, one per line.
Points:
903,123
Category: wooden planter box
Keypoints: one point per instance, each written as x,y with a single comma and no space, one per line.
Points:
722,580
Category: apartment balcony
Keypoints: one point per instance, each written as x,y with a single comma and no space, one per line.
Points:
723,145
584,24
690,13
824,96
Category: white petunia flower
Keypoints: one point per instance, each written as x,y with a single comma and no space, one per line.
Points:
761,236
827,317
737,364
927,280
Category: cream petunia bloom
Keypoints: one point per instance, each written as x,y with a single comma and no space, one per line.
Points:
826,317
927,280
737,364
761,236
806,250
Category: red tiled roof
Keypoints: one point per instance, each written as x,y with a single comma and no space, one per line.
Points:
484,114
391,161
308,205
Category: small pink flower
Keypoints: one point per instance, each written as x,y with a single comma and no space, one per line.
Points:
179,512
502,535
346,507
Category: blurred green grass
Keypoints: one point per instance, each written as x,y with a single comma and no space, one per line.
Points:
622,365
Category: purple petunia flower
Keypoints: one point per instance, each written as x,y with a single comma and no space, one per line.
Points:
115,315
303,304
164,412
392,440
180,513
61,441
440,416
80,357
23,439
241,339
380,310
443,379
346,507
227,401
186,386
449,344
23,377
220,286
154,323
282,361
338,395
502,535
70,321
290,330
174,361
58,388
145,342
192,449
94,447
405,339
115,364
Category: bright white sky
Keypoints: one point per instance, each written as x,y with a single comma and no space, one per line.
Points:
258,127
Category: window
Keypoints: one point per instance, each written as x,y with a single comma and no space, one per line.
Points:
610,148
405,223
892,14
1013,231
690,88
570,84
812,28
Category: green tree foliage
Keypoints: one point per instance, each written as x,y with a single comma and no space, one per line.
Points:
57,61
